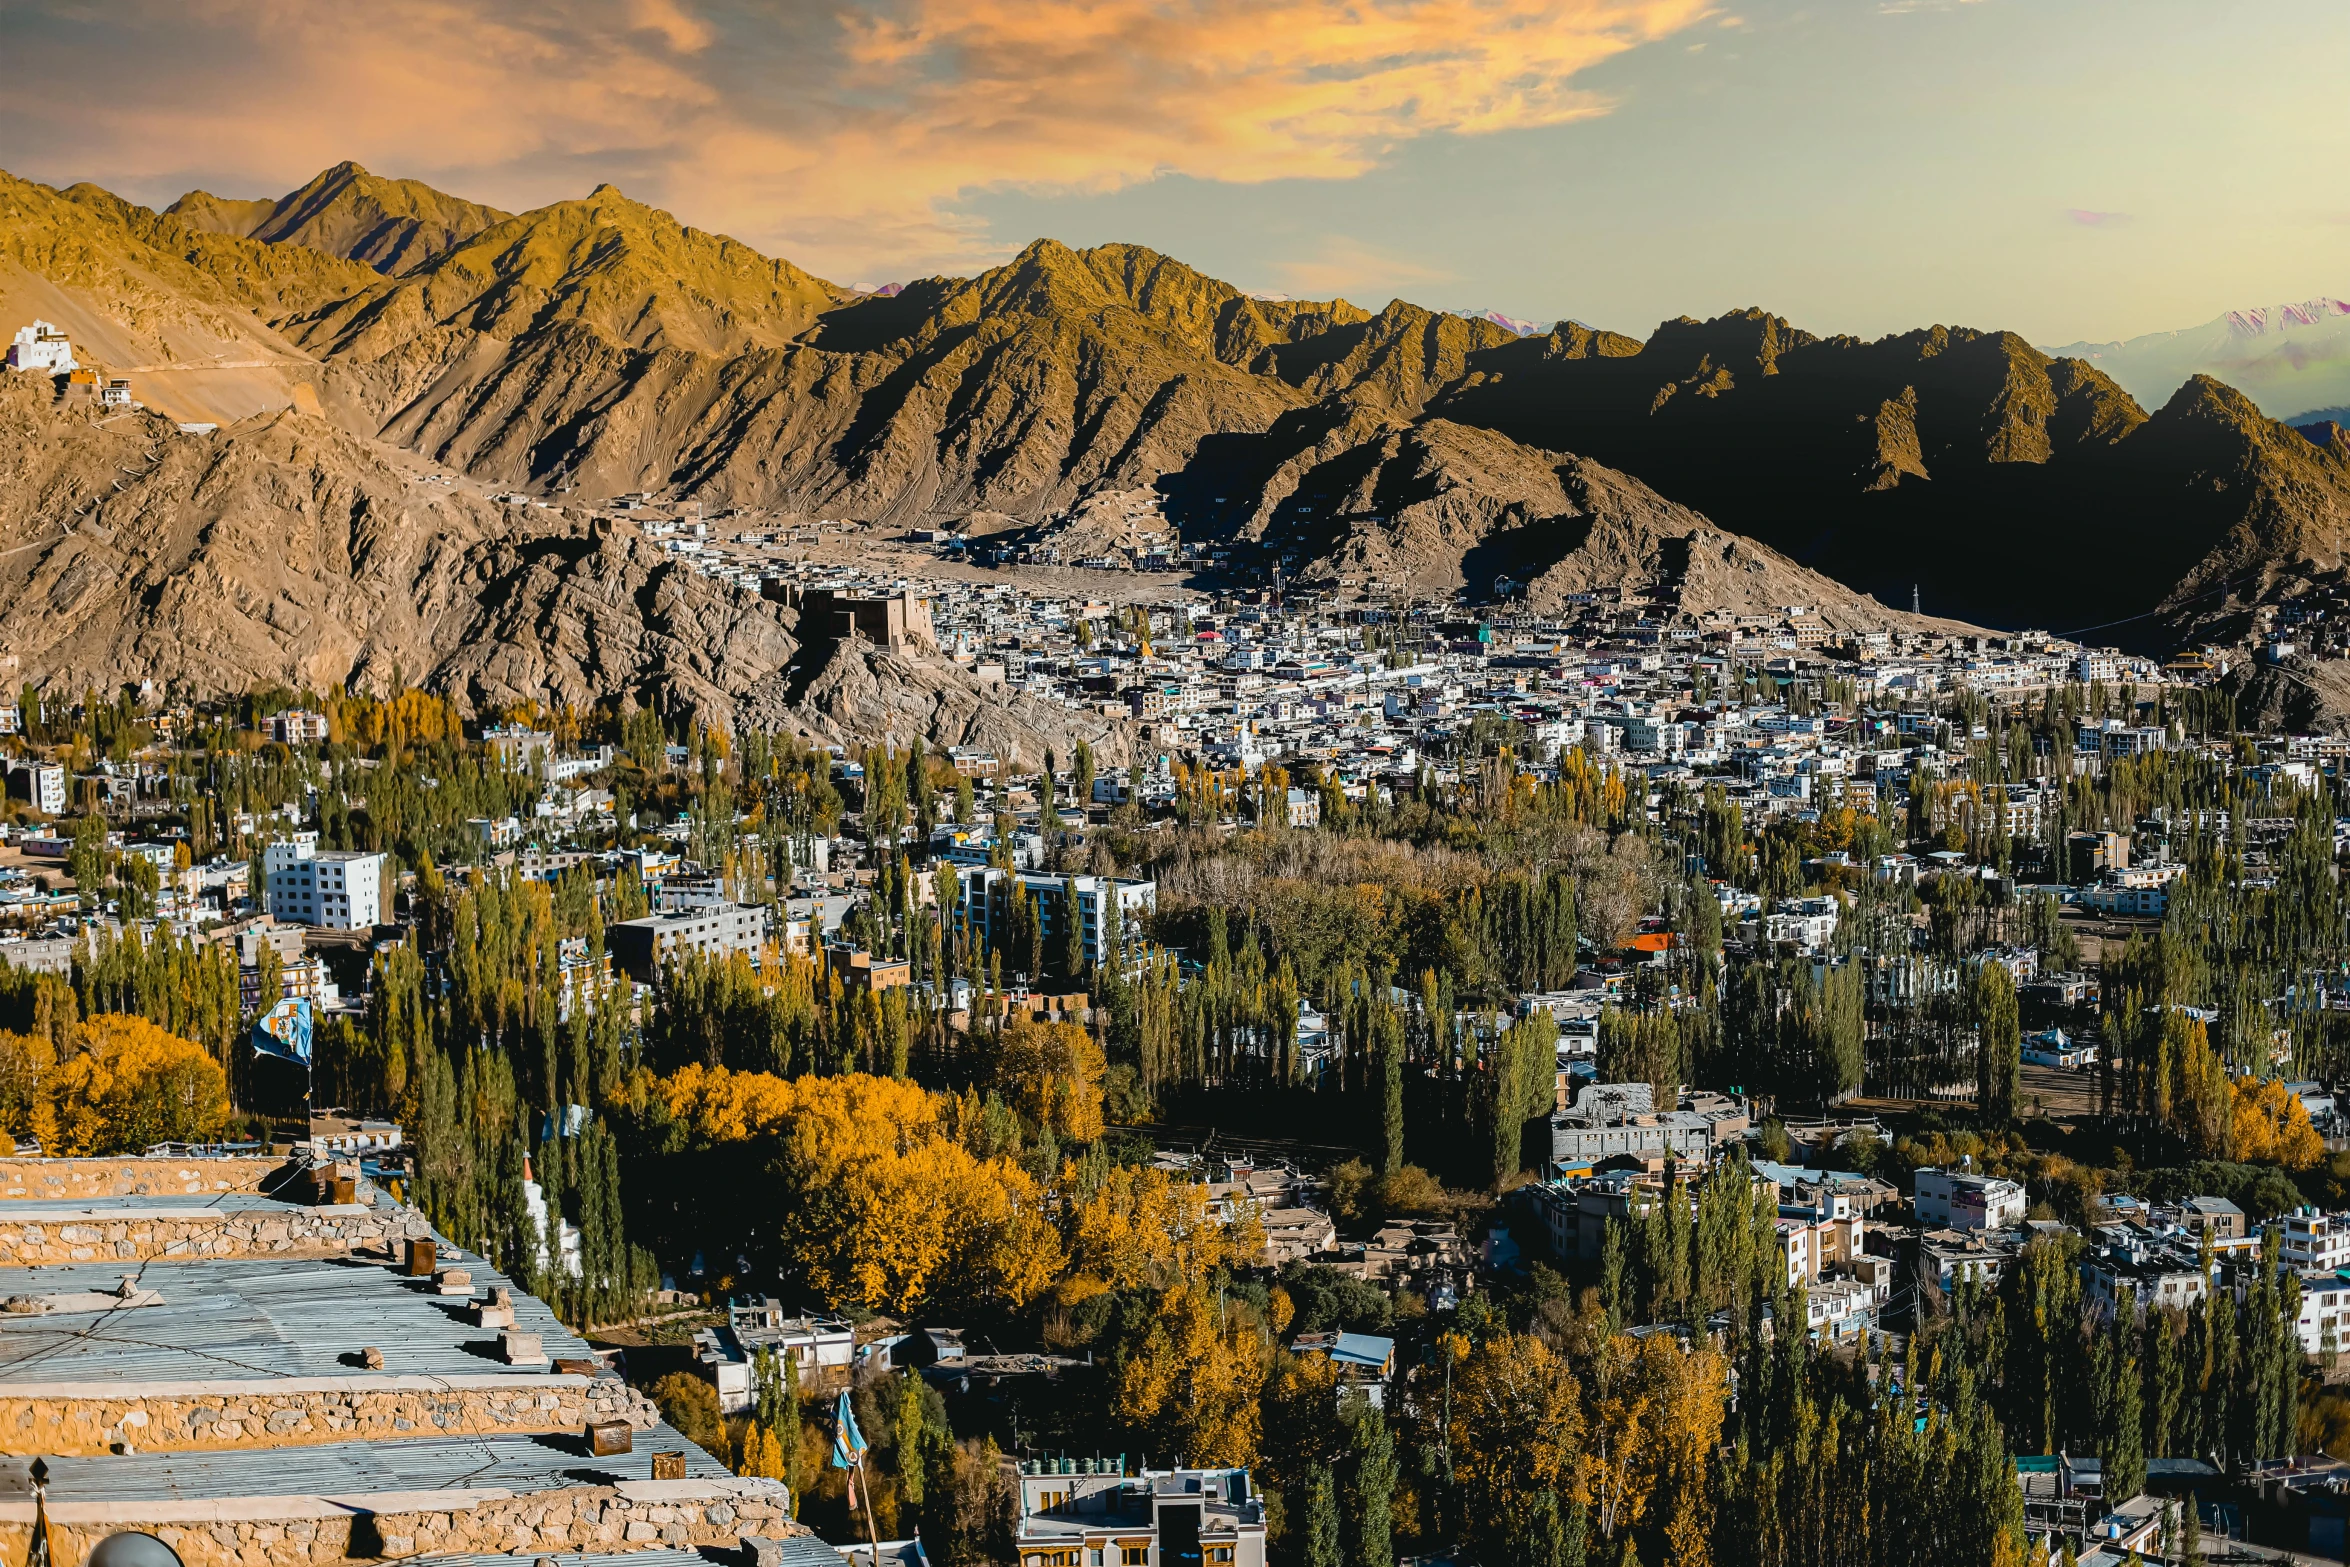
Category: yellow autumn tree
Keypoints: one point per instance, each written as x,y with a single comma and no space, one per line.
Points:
715,1105
1654,1420
759,1453
1517,1428
1145,1227
879,1205
25,1108
1052,1074
1691,1391
1196,1377
2269,1125
132,1085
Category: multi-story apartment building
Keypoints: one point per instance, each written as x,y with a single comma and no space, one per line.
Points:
338,889
985,894
296,726
641,946
2314,1242
40,785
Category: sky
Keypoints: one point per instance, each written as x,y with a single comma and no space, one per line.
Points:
2068,169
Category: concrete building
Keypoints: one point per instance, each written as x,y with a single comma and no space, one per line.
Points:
2153,1271
1617,1119
296,726
757,1324
1085,1512
337,889
2313,1242
516,747
641,946
985,908
1960,1200
2324,1324
858,969
40,785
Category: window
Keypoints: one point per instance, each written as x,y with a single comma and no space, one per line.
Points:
1133,1555
1219,1553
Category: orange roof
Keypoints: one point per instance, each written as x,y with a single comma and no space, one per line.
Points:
1651,941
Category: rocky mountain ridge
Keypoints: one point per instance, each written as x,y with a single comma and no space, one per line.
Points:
598,346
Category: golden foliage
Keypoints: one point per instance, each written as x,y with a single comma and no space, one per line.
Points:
1517,1422
881,1207
1145,1227
133,1085
1052,1074
25,1063
1196,1379
1656,1416
2268,1124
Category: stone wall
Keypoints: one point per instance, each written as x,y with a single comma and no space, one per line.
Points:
147,1235
78,1180
632,1515
77,1420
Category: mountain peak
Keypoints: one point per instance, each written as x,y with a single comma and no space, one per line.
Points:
394,226
2261,320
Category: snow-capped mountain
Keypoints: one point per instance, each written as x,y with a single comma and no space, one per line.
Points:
2292,359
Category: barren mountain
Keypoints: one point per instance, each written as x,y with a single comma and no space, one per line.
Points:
1437,506
1738,464
392,226
281,548
2012,488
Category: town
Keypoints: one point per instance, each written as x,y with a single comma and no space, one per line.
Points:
1333,1118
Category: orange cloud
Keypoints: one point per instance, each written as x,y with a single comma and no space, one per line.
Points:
844,138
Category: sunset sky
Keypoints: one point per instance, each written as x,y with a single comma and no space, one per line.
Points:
2065,168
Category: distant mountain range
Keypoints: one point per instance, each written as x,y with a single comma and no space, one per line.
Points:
347,330
2293,360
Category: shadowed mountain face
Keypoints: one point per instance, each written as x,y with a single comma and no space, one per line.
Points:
2011,488
602,345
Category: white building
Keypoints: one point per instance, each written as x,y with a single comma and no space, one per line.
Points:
2324,1325
40,785
2144,902
294,726
986,894
1958,1200
334,888
41,347
2314,1242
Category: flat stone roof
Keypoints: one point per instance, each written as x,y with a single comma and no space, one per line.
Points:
248,1321
291,1482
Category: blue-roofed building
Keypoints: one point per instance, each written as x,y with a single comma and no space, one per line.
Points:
1364,1360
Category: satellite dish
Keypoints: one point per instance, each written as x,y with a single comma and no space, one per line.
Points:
133,1550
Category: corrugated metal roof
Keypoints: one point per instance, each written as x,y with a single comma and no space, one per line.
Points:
259,1319
509,1463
